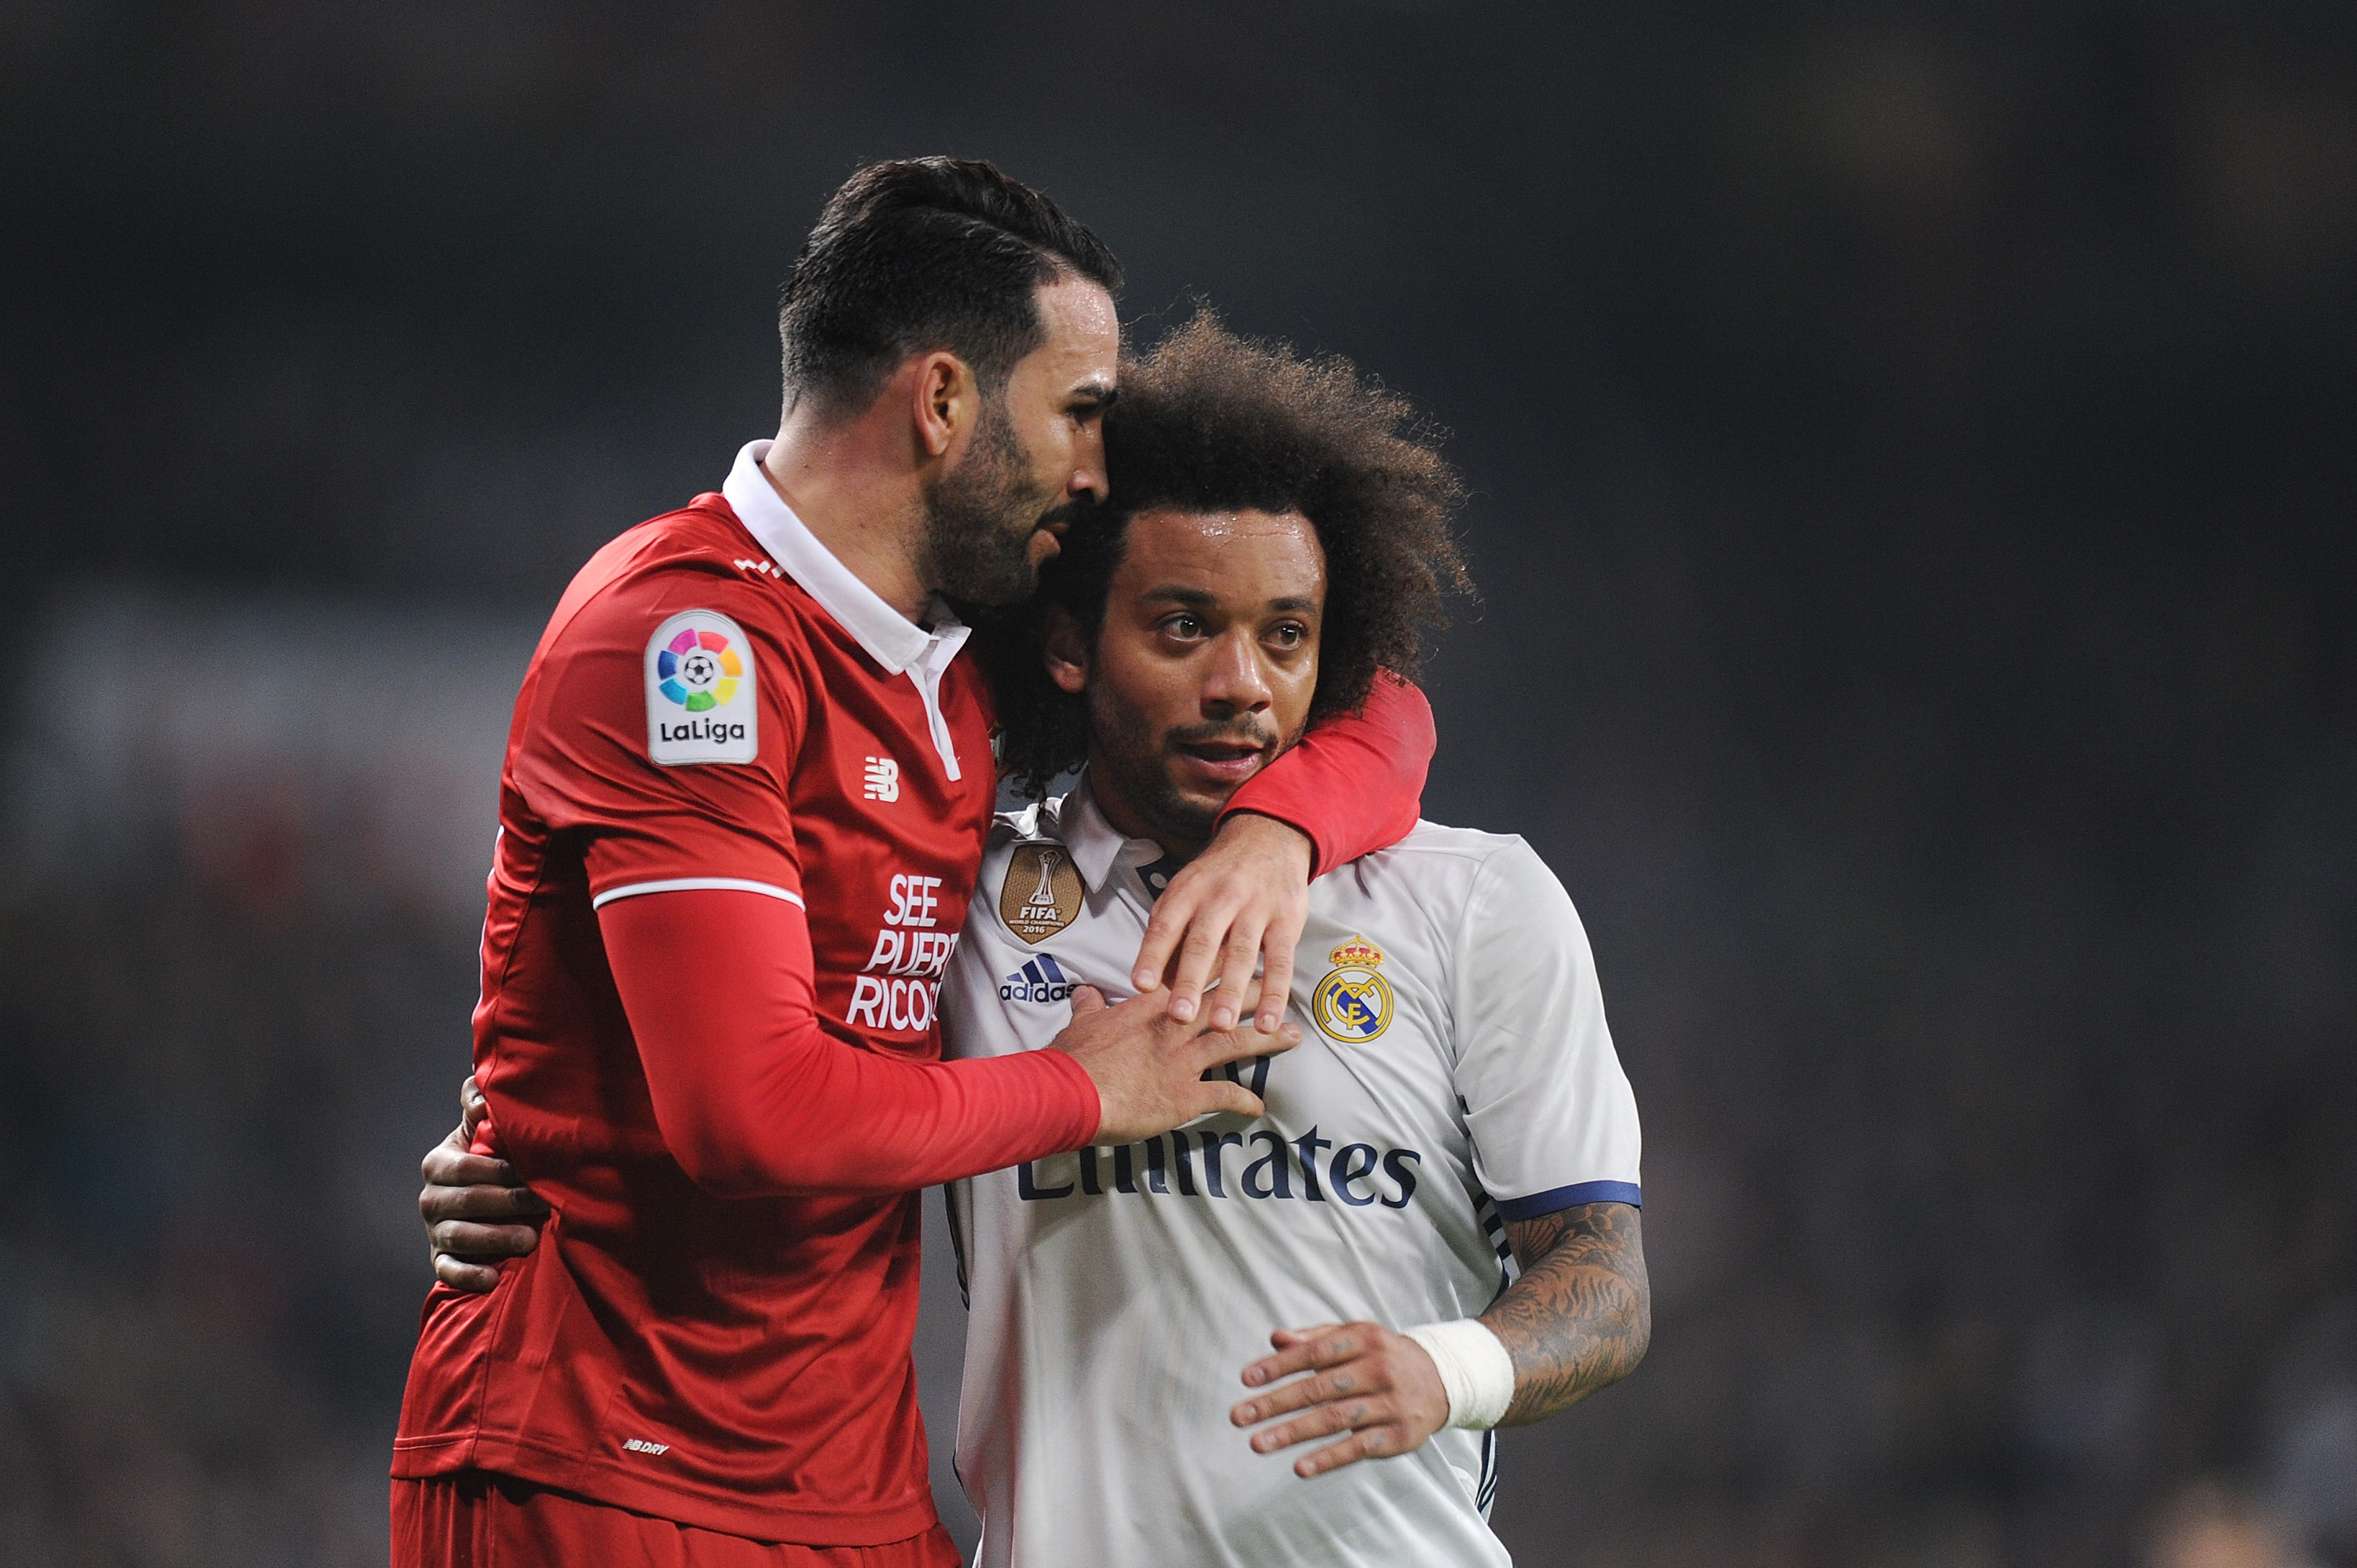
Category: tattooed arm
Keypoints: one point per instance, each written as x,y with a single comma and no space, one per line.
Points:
1576,1318
1579,1315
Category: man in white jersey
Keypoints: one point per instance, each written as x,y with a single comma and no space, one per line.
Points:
1455,1110
1455,1103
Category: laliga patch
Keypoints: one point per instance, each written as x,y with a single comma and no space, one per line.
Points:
1353,1003
1043,894
702,701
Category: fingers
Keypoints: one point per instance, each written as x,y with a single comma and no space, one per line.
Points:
452,1147
1230,938
1277,944
1190,927
1211,1045
460,1275
464,1190
1283,1337
1374,1422
449,1165
1198,956
457,1246
1217,1095
1163,928
1375,1387
460,1239
436,1204
1245,897
1237,957
1299,1350
1217,1048
1368,1443
1328,1391
1225,933
1340,1354
1325,1420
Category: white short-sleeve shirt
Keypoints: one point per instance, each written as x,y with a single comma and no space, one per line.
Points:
1455,1072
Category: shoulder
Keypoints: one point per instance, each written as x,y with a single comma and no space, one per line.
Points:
1475,886
685,550
695,564
664,630
1433,857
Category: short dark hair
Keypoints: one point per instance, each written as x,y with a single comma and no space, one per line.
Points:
924,254
1211,422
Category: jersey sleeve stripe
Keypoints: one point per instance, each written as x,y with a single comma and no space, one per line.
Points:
1547,1202
688,884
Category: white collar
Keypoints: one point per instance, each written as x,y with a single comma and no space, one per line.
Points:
891,638
1096,845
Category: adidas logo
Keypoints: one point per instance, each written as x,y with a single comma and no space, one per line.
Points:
763,567
1042,980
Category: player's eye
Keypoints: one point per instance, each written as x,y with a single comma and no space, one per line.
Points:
1183,625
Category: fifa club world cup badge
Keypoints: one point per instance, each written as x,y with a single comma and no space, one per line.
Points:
1353,1003
701,702
1043,894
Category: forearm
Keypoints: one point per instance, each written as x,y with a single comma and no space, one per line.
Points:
1579,1315
824,1117
756,1099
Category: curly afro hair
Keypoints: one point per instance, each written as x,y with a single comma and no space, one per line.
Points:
1209,422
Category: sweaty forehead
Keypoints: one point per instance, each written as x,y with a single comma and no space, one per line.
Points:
1083,332
1241,557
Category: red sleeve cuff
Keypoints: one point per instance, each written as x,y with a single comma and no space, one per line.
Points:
1064,1083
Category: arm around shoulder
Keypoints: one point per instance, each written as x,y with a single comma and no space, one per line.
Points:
1354,783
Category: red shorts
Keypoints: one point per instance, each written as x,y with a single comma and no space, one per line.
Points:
476,1520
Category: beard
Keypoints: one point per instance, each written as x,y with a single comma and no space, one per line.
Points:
1125,752
981,515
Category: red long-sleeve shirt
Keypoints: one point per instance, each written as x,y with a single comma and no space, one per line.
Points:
741,816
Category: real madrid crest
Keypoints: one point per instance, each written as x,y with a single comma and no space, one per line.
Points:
1043,894
1354,1001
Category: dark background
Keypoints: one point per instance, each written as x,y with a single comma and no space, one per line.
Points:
1912,450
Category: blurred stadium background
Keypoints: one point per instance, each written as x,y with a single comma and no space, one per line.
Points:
1914,447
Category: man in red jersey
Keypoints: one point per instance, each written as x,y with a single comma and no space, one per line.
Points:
741,816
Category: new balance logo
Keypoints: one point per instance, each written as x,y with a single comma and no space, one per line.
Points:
641,1445
1042,980
883,779
763,567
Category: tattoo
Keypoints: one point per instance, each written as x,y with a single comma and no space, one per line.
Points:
1579,1315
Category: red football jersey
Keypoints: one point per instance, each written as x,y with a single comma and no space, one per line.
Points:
692,718
719,709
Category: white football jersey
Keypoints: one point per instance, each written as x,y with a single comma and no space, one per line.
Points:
1456,1069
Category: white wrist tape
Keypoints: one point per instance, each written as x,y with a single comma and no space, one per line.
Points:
1474,1368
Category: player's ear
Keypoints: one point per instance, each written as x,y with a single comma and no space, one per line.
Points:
944,401
1065,651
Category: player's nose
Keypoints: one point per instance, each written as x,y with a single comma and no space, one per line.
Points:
1233,680
1088,476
